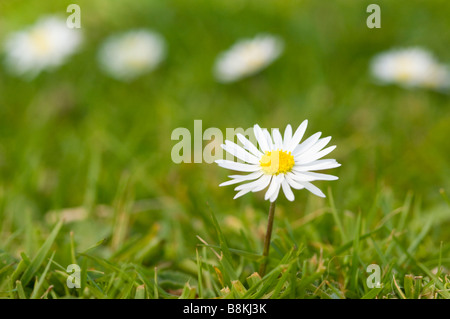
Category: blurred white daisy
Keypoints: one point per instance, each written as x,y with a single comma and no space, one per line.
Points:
43,46
247,57
279,163
411,67
439,78
131,54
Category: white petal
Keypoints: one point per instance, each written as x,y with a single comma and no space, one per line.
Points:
249,145
268,139
251,185
265,180
278,140
316,156
313,189
241,178
262,183
287,190
230,182
296,176
239,152
298,135
237,166
318,176
276,181
275,194
242,192
261,138
315,148
247,177
293,183
310,141
317,165
287,136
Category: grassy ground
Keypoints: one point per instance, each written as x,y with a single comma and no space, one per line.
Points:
78,146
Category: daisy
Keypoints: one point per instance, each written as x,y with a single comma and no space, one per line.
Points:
411,67
43,46
279,162
439,78
247,57
131,54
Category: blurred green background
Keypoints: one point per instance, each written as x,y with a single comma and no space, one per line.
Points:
75,138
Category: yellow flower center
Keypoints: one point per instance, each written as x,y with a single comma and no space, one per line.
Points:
40,41
253,57
277,162
404,72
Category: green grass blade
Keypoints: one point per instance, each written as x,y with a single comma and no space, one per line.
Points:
140,292
40,256
200,274
37,288
354,271
372,293
336,216
20,290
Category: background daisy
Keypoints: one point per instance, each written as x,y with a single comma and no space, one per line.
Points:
43,46
131,54
410,67
247,57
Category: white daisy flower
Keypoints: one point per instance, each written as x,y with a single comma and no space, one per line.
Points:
44,46
439,78
247,57
411,67
279,163
131,54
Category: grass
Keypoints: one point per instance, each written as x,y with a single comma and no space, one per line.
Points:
301,265
86,176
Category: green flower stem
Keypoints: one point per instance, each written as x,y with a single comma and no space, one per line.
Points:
262,268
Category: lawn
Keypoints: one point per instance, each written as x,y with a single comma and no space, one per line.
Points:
87,178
